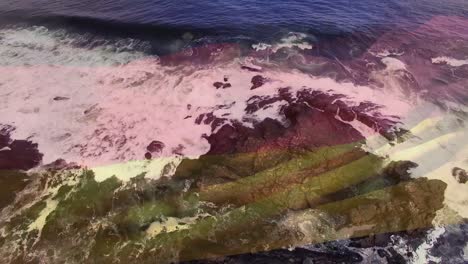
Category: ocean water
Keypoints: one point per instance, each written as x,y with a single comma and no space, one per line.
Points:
120,89
230,20
324,16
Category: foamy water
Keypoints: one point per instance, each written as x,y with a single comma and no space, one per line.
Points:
110,113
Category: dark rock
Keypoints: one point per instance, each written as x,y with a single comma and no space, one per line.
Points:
450,246
394,257
227,85
210,117
459,175
271,129
317,99
293,256
256,103
378,240
257,81
218,85
61,164
382,253
400,170
20,155
345,113
148,156
224,140
250,69
5,139
199,119
314,128
155,146
239,151
285,94
61,98
217,122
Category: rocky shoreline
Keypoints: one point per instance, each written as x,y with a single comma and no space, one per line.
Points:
267,169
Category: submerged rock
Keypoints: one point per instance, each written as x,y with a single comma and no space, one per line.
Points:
218,85
257,81
18,154
155,146
60,165
61,98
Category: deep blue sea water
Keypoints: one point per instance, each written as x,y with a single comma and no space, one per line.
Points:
231,19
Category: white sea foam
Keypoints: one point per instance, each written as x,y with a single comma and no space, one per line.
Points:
449,61
387,53
113,112
41,46
292,40
421,254
393,64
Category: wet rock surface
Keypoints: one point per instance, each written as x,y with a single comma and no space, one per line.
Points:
155,146
60,165
444,248
61,98
460,175
11,183
127,212
257,81
17,154
296,256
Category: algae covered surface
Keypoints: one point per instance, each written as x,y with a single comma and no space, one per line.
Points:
317,195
